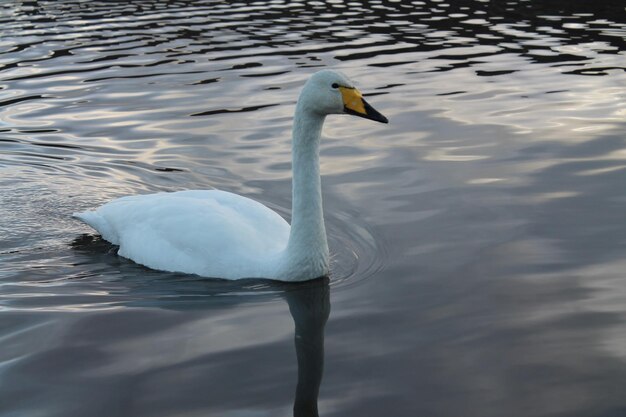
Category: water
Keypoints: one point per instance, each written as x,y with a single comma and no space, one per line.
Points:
477,241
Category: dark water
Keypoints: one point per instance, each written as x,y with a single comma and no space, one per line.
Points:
478,240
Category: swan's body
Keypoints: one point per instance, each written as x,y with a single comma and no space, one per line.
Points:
224,235
178,240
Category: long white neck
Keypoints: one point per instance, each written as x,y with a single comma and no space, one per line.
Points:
306,256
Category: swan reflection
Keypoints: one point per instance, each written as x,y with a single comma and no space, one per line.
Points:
129,285
309,305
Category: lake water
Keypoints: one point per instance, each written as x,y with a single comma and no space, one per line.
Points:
478,241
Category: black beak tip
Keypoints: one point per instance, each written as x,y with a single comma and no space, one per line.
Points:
373,114
370,113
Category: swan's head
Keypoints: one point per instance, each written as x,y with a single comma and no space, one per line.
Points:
331,92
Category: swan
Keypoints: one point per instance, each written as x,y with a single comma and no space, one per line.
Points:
219,234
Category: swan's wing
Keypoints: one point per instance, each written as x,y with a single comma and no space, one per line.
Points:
210,233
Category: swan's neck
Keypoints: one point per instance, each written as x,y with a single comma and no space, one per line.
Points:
307,250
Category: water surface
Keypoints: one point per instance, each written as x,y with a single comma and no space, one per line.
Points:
477,241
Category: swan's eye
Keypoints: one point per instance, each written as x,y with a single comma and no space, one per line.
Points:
335,85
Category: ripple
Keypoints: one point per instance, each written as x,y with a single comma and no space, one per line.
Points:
106,99
356,253
9,102
95,278
240,110
491,202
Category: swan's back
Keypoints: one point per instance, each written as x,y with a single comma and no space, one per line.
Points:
210,233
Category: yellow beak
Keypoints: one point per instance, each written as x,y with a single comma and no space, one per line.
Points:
353,103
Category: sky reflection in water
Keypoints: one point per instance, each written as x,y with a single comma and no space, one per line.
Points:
478,239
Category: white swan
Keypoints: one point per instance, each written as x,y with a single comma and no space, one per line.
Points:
223,235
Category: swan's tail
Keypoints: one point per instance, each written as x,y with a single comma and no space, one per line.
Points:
99,223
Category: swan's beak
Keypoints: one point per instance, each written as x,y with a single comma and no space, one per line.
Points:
353,103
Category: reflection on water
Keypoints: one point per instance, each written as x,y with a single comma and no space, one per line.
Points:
310,309
199,339
477,240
